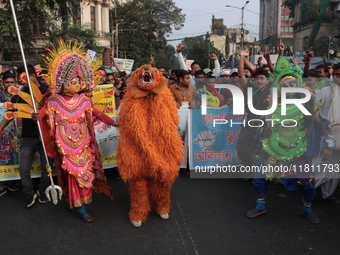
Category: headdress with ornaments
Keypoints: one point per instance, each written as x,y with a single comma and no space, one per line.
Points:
67,61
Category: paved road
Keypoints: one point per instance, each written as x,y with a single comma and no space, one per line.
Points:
207,217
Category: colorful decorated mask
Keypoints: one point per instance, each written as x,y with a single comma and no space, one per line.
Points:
67,61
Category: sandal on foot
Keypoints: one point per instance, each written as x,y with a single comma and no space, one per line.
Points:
334,200
85,217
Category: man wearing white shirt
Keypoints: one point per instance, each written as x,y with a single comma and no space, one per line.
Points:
195,66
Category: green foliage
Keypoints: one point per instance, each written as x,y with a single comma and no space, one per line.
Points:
332,18
320,46
146,24
29,15
197,48
166,58
83,34
26,12
63,9
310,10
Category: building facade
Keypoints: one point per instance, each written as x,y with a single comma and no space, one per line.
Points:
275,23
228,40
96,14
307,29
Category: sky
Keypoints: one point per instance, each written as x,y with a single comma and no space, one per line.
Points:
199,14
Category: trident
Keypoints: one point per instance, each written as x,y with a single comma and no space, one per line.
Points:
54,189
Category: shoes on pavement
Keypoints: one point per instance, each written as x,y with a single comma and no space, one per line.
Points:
255,212
11,187
42,197
164,216
136,224
310,216
30,200
3,192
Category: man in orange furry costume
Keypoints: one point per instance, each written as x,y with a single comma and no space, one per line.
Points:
150,150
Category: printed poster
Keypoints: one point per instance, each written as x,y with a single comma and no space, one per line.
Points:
209,145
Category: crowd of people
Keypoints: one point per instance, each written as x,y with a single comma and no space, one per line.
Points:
187,87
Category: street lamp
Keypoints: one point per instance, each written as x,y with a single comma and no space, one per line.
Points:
242,35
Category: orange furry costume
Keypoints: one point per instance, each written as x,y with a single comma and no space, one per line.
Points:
150,150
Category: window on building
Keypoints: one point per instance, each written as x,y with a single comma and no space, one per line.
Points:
77,18
37,27
305,42
93,17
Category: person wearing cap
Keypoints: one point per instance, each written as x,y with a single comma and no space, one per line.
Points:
234,76
207,72
234,73
224,76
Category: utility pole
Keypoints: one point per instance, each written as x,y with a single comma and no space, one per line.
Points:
209,56
242,29
329,45
116,39
242,35
116,33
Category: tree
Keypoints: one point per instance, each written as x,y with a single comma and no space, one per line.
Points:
64,9
310,10
34,18
27,12
146,23
83,34
321,45
197,48
165,57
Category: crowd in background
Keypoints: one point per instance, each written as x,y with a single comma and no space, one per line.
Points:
187,87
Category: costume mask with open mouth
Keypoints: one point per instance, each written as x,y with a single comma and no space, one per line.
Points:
147,77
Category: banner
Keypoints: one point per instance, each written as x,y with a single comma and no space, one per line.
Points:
107,104
10,151
107,139
91,54
107,136
209,145
124,64
205,145
188,63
